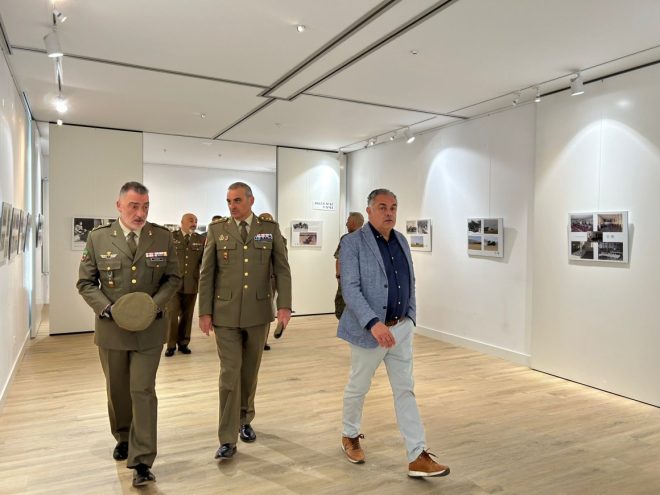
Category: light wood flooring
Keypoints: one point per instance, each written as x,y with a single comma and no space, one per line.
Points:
502,428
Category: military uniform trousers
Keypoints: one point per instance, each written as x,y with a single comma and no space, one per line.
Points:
180,310
240,351
132,403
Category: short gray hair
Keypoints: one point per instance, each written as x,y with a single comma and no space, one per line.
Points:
357,216
236,185
133,186
378,192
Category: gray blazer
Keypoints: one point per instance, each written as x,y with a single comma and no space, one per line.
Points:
364,285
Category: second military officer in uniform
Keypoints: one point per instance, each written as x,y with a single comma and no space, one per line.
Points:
235,301
189,249
128,256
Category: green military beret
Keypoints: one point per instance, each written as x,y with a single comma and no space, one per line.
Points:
134,311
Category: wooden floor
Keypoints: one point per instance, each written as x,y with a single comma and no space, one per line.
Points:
502,428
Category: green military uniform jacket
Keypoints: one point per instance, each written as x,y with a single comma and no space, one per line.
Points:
108,271
235,280
190,259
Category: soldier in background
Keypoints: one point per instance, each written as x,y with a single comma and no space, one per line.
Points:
189,249
354,221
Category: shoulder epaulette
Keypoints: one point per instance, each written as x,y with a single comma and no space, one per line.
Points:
220,220
160,226
101,226
266,218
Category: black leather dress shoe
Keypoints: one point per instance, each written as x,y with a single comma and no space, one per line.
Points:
184,349
121,451
247,434
226,451
142,475
170,351
266,347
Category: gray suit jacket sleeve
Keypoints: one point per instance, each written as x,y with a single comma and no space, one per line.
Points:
353,281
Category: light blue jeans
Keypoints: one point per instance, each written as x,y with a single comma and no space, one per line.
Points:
399,364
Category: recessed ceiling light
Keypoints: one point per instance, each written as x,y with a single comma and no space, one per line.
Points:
301,28
164,150
414,52
59,122
219,155
202,115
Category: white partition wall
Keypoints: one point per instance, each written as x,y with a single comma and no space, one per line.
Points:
303,178
87,168
16,176
202,191
481,168
598,323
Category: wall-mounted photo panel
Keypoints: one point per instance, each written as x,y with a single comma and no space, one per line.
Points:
306,233
26,229
418,233
485,237
14,232
5,229
39,230
598,236
81,227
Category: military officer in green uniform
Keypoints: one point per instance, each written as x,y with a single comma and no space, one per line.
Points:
235,302
189,249
130,255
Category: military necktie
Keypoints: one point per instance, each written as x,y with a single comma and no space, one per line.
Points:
244,230
186,239
132,245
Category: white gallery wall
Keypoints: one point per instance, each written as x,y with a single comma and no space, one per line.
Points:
598,323
18,172
480,168
304,177
87,167
203,191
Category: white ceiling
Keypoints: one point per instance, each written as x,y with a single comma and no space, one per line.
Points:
158,65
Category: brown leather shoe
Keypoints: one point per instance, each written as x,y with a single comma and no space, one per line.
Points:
424,466
351,446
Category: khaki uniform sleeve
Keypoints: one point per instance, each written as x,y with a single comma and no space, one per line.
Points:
207,275
171,280
281,270
88,279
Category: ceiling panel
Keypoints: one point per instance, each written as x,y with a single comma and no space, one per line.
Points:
320,123
177,150
476,50
385,23
248,40
118,97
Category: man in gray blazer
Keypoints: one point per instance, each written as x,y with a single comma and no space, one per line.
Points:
378,283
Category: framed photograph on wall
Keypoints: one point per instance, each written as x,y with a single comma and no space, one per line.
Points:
307,233
81,228
598,236
5,229
39,230
485,237
26,228
418,233
14,232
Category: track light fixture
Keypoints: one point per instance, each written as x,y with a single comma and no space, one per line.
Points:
393,136
409,135
52,42
577,85
59,122
371,142
58,16
538,95
516,98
